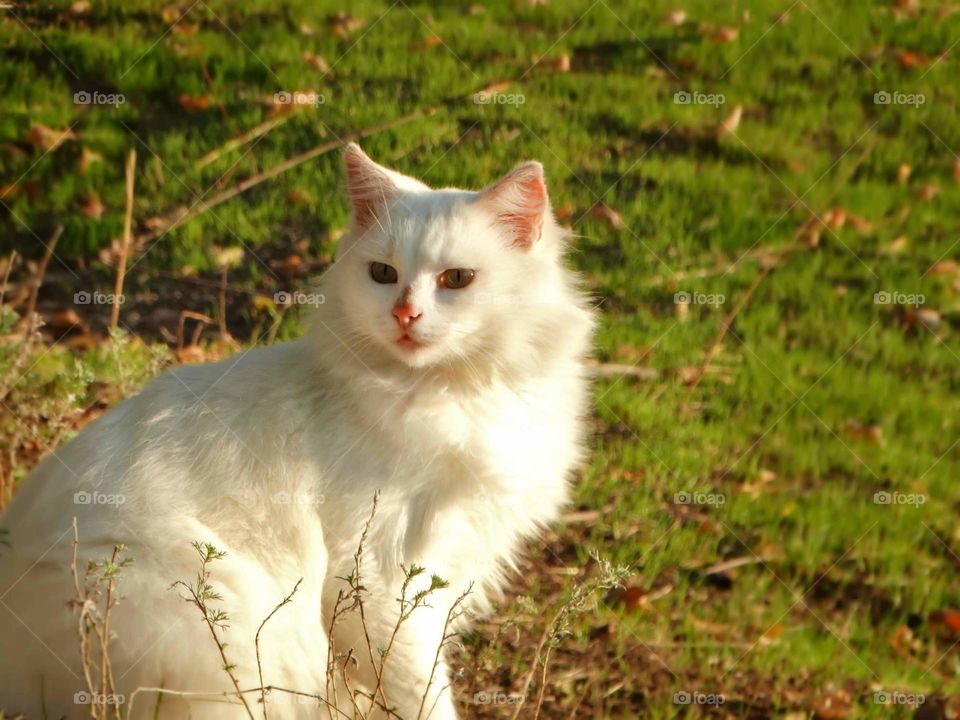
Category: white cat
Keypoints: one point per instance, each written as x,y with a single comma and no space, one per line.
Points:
444,370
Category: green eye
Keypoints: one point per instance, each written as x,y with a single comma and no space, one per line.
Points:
383,273
456,278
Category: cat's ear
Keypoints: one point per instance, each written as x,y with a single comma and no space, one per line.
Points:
519,202
370,187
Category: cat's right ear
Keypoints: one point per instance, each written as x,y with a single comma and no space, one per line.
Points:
370,187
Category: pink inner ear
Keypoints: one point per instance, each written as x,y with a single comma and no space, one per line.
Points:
368,187
519,201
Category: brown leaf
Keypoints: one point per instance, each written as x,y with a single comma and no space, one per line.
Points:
945,267
835,218
193,103
87,158
602,211
869,433
910,58
431,41
66,319
675,17
316,62
946,620
732,122
48,139
92,207
835,706
724,34
903,173
928,192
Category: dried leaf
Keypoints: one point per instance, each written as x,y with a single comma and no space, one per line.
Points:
903,173
87,158
48,139
193,103
732,122
724,34
92,207
928,192
316,62
675,18
601,211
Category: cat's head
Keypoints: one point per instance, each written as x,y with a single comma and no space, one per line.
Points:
439,277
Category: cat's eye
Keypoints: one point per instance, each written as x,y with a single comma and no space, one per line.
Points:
456,278
383,273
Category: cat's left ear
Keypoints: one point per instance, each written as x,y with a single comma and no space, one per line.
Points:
370,187
519,202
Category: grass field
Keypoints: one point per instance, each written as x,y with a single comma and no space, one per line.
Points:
765,198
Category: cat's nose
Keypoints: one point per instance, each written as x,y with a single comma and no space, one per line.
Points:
405,314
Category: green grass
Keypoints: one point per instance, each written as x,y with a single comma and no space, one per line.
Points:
808,360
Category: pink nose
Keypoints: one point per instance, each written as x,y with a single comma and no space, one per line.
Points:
405,314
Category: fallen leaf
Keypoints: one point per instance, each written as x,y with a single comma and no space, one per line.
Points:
431,41
928,192
897,245
92,207
948,620
601,211
675,18
732,122
48,139
193,103
316,62
945,267
835,218
87,158
66,319
835,706
724,34
903,173
910,58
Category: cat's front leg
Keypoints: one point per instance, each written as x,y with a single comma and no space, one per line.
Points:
411,678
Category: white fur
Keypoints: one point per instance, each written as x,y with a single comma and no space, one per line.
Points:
275,455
